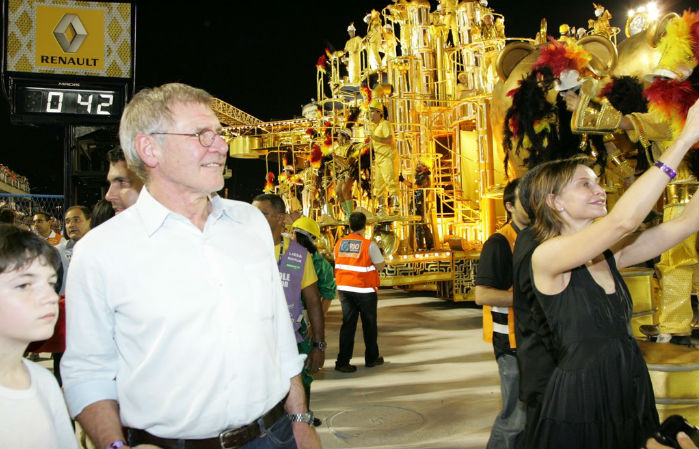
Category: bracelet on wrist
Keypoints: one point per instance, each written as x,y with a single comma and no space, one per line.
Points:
666,169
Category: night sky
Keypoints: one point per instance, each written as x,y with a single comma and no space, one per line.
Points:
258,56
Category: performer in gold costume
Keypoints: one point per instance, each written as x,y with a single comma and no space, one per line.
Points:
346,168
449,18
422,205
389,44
385,161
374,38
353,48
601,26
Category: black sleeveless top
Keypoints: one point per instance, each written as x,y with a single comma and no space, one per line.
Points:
600,394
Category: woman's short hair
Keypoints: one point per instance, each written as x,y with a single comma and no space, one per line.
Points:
102,212
550,179
149,111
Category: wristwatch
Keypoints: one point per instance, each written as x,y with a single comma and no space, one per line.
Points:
320,345
302,417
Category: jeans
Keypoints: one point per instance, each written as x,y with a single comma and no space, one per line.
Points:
279,436
510,421
355,305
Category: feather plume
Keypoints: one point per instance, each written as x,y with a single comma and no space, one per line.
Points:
269,182
352,116
321,62
676,45
672,99
692,20
316,155
366,93
560,56
625,93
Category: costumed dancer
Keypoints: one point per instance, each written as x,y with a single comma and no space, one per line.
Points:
675,86
374,38
384,171
537,125
346,170
449,19
353,48
601,26
389,44
421,204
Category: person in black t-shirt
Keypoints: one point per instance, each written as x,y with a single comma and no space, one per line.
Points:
494,292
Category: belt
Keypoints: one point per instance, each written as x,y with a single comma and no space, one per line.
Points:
228,439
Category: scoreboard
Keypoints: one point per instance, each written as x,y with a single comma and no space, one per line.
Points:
68,62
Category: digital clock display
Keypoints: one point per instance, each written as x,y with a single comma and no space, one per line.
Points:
70,101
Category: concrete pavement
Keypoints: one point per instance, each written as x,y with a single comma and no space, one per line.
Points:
439,387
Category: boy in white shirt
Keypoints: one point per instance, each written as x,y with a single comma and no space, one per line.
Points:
33,413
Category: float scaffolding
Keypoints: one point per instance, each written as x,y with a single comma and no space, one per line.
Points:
436,87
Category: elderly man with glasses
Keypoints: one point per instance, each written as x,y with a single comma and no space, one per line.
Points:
178,328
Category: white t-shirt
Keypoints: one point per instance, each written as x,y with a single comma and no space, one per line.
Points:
35,418
375,253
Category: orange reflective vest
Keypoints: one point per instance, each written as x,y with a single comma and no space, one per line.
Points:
54,238
354,271
511,235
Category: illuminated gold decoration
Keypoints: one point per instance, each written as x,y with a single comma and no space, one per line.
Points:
594,116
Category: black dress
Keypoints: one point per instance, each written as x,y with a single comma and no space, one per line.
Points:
600,394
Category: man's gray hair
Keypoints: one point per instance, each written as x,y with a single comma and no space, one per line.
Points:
149,111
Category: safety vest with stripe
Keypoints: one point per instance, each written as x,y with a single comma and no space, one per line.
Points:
354,271
488,325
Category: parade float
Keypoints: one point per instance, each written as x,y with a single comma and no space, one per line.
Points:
446,78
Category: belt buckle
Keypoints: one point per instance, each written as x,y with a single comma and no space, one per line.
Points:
230,434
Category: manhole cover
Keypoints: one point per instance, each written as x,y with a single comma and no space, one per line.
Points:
375,423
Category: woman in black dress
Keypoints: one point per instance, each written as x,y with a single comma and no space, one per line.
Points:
599,395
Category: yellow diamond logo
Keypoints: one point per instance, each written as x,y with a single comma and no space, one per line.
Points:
70,33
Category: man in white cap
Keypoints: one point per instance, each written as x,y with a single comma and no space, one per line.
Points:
353,48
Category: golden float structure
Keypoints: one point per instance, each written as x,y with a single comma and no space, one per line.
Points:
445,92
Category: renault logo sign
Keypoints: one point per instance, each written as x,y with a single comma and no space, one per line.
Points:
69,41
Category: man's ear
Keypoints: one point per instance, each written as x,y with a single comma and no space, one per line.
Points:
148,149
509,207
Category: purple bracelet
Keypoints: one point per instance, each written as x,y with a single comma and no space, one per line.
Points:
666,169
116,444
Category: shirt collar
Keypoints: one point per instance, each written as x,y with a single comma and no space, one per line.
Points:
153,213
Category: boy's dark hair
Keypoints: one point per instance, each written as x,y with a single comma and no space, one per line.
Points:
7,215
357,221
84,209
275,200
115,155
19,248
508,195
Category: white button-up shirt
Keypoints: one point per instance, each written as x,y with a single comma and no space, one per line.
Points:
188,330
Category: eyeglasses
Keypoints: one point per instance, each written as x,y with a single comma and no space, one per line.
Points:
206,136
